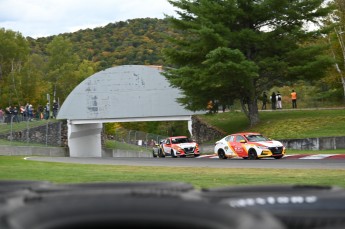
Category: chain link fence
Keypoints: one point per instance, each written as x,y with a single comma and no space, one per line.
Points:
19,131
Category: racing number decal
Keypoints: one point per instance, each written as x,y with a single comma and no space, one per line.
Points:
232,150
239,149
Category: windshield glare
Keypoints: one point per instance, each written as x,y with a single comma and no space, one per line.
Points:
181,140
256,138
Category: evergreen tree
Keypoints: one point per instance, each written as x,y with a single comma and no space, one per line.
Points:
235,49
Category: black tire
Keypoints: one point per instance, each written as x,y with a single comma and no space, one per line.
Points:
278,157
173,154
221,154
111,206
196,155
160,153
252,154
154,154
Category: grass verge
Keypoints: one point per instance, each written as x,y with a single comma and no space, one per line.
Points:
7,128
16,168
281,124
112,144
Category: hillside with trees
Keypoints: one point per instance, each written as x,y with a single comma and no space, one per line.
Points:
213,50
32,68
136,41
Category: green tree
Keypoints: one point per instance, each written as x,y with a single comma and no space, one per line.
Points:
235,49
14,51
62,67
33,84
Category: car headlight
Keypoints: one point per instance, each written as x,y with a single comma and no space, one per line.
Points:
262,147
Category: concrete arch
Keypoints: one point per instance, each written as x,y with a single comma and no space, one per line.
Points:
128,93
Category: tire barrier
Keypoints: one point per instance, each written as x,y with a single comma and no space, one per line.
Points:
171,205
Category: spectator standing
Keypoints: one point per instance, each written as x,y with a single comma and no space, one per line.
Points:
279,100
210,106
1,116
55,108
40,111
22,113
30,112
26,112
8,115
264,101
47,111
273,100
294,99
15,113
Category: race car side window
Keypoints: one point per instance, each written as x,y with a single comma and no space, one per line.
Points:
239,138
229,138
167,141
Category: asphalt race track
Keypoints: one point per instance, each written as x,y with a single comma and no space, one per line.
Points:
288,162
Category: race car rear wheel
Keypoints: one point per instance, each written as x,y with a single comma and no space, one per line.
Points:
160,153
221,154
278,157
154,154
252,154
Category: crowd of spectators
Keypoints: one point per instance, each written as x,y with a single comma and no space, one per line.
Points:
18,114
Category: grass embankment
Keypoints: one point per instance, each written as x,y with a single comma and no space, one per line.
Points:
278,125
15,168
284,124
112,144
6,128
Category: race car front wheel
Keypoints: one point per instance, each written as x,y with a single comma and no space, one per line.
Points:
221,154
173,154
252,154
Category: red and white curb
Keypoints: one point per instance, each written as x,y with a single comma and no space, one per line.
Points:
294,156
315,156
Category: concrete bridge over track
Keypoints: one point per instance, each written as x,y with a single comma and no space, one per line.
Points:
129,93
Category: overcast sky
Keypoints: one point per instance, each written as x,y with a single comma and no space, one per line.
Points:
40,18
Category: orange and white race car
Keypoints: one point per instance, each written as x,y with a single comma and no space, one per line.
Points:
248,145
179,146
